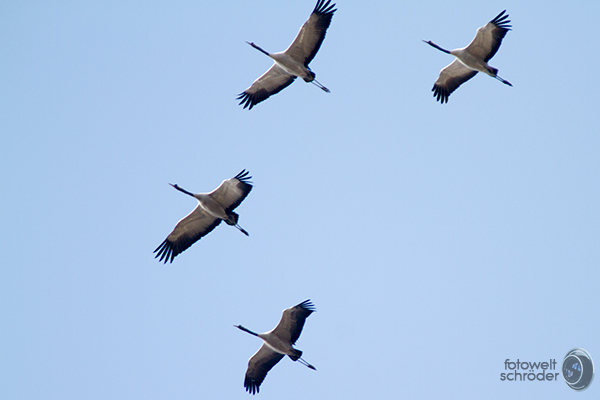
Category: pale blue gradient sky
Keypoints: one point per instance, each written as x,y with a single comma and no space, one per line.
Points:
435,241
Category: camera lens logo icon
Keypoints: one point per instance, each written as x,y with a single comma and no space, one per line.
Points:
578,369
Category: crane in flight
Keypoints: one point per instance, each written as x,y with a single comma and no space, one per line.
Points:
277,344
293,62
212,208
473,58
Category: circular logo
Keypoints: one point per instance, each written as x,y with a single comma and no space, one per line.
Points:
578,369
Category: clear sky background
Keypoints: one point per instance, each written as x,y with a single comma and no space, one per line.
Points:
436,241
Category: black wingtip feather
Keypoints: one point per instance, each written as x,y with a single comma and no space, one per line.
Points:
243,176
246,100
323,7
307,305
501,21
440,93
165,252
251,386
249,100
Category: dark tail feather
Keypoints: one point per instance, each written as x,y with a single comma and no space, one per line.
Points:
296,355
493,71
232,218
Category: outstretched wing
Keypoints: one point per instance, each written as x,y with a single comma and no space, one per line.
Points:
188,231
450,79
311,35
233,191
273,81
489,37
292,321
258,366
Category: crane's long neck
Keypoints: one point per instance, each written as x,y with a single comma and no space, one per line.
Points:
181,189
246,330
429,42
258,48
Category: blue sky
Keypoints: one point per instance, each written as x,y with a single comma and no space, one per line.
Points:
436,241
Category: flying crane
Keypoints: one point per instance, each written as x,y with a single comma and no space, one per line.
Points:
472,59
277,344
293,62
212,208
